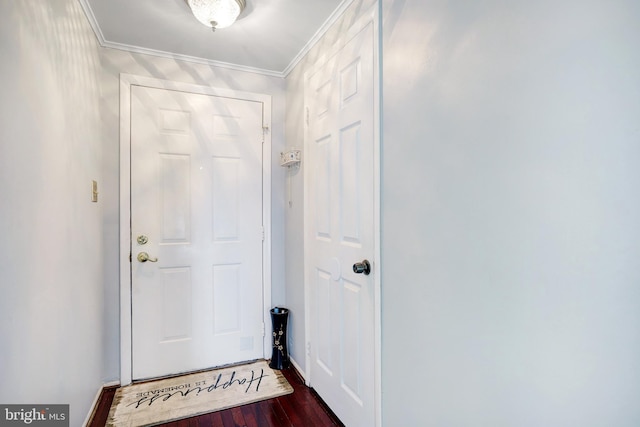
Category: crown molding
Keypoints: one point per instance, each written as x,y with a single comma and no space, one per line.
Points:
163,54
93,22
317,36
193,59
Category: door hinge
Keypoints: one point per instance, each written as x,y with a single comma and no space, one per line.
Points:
130,257
262,232
263,330
265,130
308,348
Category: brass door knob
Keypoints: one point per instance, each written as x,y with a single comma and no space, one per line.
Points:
144,257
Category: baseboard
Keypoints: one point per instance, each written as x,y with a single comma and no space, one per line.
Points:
299,370
96,400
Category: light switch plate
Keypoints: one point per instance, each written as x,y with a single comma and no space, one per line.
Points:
94,191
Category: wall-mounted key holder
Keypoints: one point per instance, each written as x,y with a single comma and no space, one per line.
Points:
290,158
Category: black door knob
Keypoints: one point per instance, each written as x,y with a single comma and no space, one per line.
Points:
363,267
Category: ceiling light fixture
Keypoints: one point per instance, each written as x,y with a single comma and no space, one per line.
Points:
216,13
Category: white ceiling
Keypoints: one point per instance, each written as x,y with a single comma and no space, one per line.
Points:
269,36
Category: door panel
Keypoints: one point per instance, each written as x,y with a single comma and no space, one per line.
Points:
196,194
340,231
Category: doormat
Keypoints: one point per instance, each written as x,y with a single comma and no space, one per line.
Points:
156,402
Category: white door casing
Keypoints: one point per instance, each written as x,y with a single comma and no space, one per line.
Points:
340,229
198,194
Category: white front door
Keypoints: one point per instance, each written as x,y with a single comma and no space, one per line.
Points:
196,211
339,230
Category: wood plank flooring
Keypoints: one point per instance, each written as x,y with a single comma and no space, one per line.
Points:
302,408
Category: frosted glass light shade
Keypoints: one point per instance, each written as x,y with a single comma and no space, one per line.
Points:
216,13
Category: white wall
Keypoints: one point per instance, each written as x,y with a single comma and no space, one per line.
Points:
511,234
114,62
51,274
59,129
295,138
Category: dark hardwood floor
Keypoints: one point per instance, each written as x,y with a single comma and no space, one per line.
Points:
302,408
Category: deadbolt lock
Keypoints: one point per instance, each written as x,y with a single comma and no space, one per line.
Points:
142,239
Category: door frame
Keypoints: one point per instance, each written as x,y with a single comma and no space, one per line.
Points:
370,17
126,82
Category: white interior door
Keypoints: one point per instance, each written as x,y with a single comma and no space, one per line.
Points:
340,229
196,210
